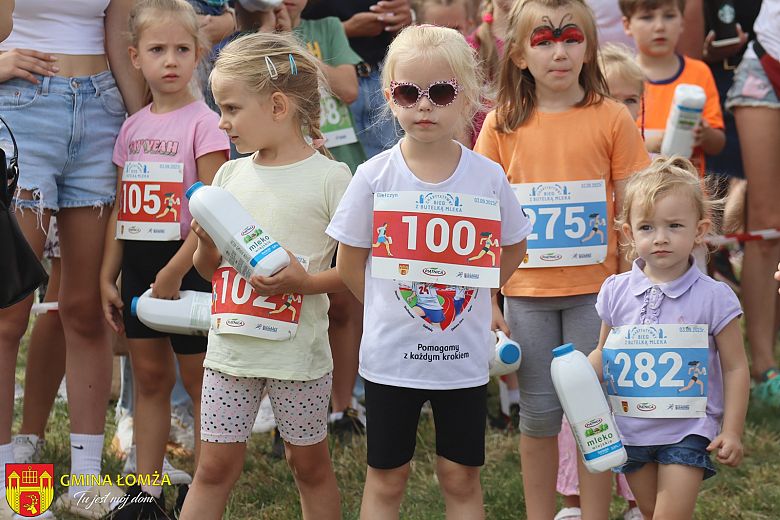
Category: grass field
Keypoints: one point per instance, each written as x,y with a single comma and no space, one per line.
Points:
266,489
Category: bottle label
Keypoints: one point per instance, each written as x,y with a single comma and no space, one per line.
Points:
657,371
200,312
247,248
150,201
237,309
687,118
436,238
569,222
597,437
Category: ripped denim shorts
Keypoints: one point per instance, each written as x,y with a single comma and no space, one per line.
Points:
65,129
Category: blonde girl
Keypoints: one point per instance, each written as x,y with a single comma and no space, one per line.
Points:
664,217
625,79
432,87
267,88
173,142
567,148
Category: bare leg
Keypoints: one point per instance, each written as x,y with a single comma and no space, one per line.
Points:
644,485
345,331
88,363
461,489
383,492
759,131
595,492
219,467
313,472
13,322
45,362
153,378
191,369
678,487
539,460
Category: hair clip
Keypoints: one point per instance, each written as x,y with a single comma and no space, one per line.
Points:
487,18
293,66
271,68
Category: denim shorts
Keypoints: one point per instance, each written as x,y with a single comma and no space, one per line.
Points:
65,129
691,451
751,87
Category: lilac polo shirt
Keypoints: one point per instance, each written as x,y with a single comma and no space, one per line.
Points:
694,298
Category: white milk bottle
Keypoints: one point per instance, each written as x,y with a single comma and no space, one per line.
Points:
507,355
685,114
242,242
190,315
586,409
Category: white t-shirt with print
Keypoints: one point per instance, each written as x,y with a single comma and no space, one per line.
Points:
409,341
294,203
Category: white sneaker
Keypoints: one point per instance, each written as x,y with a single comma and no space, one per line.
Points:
175,475
569,513
182,428
27,448
633,514
123,437
265,420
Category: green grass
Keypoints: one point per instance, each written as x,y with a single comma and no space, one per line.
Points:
266,489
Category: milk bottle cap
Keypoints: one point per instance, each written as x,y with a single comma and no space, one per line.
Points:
563,350
192,189
510,354
134,306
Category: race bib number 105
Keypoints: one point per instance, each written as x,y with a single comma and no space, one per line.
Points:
150,201
437,237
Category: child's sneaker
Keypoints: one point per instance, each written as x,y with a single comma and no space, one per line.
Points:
27,448
183,428
265,420
175,475
182,495
569,513
633,514
277,448
123,437
347,425
768,390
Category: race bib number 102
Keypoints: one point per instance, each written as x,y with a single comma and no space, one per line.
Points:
437,237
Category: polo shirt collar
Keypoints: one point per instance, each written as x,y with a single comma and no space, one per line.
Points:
640,283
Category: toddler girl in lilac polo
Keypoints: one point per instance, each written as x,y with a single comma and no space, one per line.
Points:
632,299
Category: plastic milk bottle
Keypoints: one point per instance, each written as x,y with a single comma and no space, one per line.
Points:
507,357
242,242
586,409
190,315
686,112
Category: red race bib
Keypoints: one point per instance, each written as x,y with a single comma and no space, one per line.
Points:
437,237
237,309
150,201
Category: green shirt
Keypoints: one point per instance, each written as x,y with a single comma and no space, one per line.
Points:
326,40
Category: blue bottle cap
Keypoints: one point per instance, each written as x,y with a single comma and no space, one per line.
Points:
192,189
134,306
563,350
509,353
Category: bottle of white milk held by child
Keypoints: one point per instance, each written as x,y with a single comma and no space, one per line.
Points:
189,315
242,242
507,356
586,409
685,114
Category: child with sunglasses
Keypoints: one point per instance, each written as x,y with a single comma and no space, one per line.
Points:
427,319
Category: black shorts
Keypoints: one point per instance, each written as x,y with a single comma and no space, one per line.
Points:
141,261
392,414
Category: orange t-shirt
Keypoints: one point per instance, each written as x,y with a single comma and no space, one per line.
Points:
660,94
589,143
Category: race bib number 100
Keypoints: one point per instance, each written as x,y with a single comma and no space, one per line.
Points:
436,237
150,201
569,222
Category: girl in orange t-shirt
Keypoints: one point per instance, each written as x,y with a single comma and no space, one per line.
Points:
567,149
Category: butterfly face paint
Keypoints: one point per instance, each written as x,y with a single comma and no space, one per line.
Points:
548,34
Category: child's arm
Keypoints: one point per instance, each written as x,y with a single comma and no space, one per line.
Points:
510,260
110,298
168,280
736,389
342,80
595,357
620,190
207,257
294,278
351,266
711,140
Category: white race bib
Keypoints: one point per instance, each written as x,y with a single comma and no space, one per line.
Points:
150,201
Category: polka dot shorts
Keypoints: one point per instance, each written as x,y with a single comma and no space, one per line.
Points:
229,405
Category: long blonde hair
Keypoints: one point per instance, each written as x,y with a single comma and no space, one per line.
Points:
429,41
293,71
517,87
